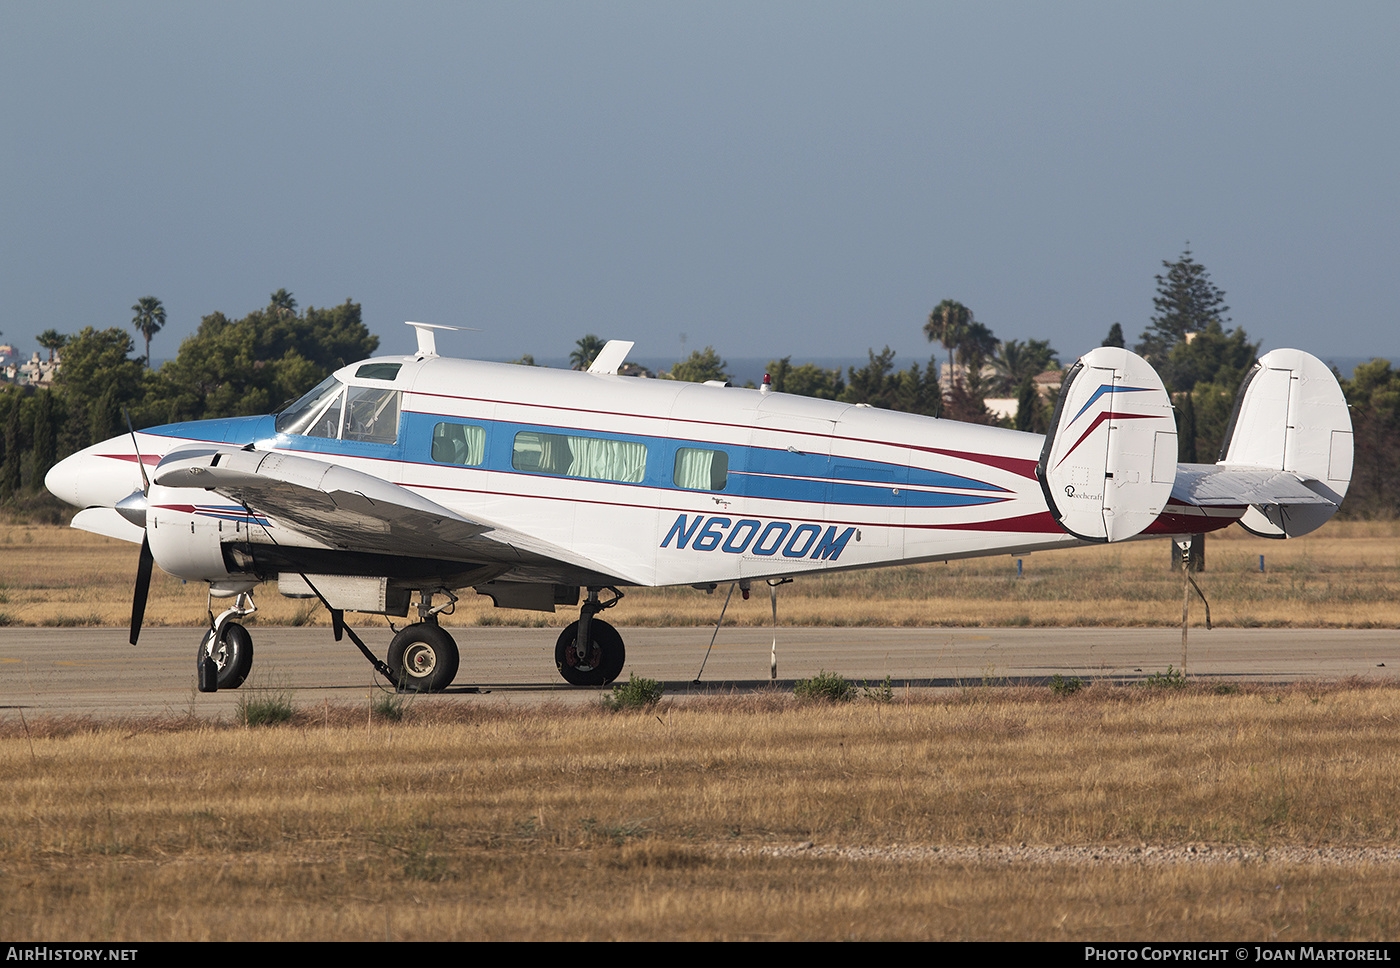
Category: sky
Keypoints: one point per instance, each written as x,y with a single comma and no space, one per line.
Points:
768,178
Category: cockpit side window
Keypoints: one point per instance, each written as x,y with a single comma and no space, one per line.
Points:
372,415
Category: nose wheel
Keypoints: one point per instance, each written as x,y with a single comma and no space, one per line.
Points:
230,652
225,655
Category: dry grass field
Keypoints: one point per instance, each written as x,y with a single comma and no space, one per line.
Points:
1345,575
1113,813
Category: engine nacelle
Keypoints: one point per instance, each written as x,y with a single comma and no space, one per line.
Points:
192,541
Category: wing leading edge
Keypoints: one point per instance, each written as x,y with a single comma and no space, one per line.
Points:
348,510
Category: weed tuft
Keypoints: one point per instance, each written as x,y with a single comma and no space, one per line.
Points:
1171,679
635,693
392,706
1061,686
824,687
264,707
882,692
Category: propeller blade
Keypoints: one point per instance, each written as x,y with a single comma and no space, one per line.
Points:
145,481
143,588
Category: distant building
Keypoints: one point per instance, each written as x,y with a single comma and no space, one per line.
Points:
1003,408
37,372
1048,383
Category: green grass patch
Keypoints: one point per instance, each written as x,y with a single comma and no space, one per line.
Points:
1061,686
824,687
635,693
1171,679
264,707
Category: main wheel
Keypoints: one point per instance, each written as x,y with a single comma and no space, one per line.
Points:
423,658
232,654
604,660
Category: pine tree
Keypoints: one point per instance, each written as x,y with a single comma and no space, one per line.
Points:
1186,302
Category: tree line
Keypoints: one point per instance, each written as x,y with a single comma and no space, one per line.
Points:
256,364
229,367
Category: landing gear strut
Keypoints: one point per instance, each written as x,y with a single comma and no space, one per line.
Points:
225,655
590,651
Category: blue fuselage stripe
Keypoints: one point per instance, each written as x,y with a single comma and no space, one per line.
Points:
754,472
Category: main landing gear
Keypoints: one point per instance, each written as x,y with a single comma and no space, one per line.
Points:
423,658
590,652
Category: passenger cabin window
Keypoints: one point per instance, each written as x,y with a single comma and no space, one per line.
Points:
459,444
701,470
593,458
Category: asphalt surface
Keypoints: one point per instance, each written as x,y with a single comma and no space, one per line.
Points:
94,672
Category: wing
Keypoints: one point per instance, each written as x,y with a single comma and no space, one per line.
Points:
349,510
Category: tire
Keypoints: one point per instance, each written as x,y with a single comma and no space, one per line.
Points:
423,658
233,655
605,659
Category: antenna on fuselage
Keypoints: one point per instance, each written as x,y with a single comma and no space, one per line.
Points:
427,341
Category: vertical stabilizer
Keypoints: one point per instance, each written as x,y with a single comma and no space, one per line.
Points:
1291,416
1109,460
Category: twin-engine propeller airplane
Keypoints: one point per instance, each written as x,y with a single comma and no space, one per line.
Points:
422,476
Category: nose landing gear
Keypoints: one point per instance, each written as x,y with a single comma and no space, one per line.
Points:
225,655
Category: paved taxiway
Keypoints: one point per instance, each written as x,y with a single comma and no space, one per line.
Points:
95,672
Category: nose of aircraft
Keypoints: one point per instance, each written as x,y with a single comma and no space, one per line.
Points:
99,476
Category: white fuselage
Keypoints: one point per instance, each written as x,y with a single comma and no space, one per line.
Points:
655,482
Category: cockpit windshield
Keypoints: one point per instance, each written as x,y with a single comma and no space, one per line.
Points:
312,414
367,414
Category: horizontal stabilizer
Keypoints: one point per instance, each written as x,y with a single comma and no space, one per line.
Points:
1109,461
1210,485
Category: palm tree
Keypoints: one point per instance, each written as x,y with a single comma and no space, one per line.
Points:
586,350
1015,362
977,345
282,302
149,318
948,324
52,340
